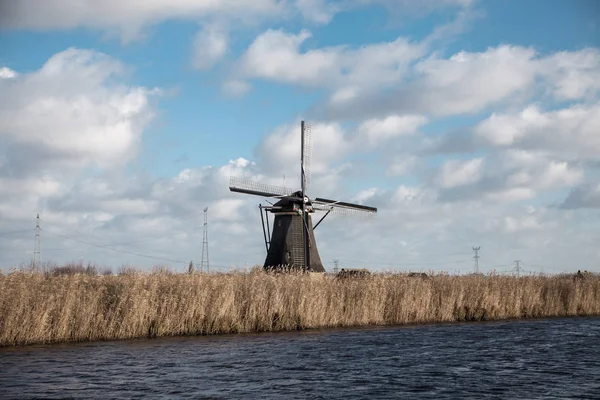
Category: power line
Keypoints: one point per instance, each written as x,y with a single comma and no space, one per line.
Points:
497,266
116,250
144,239
13,232
407,264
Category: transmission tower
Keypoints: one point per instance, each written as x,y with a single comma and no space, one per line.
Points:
335,266
36,246
204,264
518,267
476,258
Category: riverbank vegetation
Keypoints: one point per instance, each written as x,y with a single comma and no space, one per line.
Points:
80,304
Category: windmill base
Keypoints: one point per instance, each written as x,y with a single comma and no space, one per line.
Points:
286,249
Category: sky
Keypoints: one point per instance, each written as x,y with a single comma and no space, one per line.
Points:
467,123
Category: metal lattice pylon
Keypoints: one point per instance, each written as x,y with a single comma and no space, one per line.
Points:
37,258
204,264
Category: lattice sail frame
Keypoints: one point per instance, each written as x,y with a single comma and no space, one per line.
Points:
307,152
346,211
247,184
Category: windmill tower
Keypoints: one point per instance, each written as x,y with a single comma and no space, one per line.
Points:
292,242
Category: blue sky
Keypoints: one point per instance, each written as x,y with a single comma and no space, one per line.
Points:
504,84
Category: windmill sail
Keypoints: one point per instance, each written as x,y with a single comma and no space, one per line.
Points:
248,186
306,154
343,208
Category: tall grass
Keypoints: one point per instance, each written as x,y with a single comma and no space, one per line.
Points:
80,306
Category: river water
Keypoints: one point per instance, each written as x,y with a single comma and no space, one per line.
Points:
533,359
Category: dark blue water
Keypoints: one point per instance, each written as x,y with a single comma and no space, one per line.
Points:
539,359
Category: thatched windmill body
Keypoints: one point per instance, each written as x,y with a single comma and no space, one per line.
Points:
292,241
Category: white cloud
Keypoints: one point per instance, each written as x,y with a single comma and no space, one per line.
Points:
236,88
129,206
339,67
378,130
570,132
7,73
573,75
458,173
466,82
210,45
73,114
343,95
227,209
559,174
365,195
471,82
510,195
128,18
42,186
275,55
69,110
402,165
319,11
405,194
512,224
505,176
280,151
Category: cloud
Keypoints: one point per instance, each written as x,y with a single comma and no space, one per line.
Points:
470,83
337,67
319,11
573,75
464,83
559,174
506,176
7,73
285,63
584,196
402,165
57,124
70,111
570,132
131,15
418,8
236,88
377,130
365,195
128,18
210,45
458,173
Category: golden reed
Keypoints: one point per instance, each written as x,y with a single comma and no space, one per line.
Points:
38,307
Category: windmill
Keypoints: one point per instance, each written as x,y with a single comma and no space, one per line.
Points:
292,242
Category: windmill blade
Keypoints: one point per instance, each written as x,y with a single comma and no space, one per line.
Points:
336,203
352,212
306,153
343,208
248,186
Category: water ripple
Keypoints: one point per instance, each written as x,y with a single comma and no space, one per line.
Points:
556,358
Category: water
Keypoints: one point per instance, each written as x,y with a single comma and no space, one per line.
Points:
556,358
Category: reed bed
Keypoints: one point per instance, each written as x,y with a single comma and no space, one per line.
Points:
38,307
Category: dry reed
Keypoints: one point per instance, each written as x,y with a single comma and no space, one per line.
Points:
40,307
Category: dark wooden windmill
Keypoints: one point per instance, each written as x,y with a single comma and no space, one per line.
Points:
292,242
